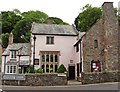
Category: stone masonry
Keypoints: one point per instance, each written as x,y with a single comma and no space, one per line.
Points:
105,31
38,80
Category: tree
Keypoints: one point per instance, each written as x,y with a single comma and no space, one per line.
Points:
35,16
61,69
9,19
87,18
5,38
22,28
21,31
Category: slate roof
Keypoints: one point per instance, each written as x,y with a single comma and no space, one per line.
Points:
53,29
23,48
81,34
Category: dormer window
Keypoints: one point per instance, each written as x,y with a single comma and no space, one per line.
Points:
13,54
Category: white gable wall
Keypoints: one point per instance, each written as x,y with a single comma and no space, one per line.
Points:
64,44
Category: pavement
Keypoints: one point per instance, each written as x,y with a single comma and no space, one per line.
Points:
74,82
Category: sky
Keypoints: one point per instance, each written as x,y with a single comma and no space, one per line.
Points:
67,10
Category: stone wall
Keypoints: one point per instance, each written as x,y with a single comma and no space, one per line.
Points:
91,78
38,80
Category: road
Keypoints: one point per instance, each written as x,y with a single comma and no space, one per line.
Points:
101,86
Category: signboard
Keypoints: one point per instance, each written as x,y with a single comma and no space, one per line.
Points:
13,77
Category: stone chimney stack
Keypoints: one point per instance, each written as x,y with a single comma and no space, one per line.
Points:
119,7
111,36
10,38
108,10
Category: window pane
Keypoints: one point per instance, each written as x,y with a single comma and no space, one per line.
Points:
11,69
56,58
7,69
52,40
56,68
14,69
47,68
43,68
51,68
51,58
47,58
43,58
47,40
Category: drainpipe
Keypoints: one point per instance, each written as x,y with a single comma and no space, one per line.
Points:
80,53
81,63
4,64
34,39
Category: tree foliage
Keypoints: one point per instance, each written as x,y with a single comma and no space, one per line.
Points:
20,23
5,37
35,16
87,18
9,19
21,31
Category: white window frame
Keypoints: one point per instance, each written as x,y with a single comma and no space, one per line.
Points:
9,67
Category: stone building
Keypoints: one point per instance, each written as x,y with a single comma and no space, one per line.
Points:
100,43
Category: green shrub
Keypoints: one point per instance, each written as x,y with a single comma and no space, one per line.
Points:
61,69
30,69
40,70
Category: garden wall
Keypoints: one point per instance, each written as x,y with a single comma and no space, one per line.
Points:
90,78
38,80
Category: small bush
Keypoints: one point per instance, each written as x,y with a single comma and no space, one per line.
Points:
61,69
40,70
30,69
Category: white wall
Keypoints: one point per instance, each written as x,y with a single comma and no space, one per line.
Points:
64,44
8,59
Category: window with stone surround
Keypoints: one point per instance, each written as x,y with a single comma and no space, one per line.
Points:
95,43
49,61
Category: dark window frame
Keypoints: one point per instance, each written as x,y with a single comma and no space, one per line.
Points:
49,40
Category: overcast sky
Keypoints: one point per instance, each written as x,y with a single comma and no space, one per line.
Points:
67,10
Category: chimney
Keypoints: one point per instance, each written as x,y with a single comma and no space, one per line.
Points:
108,10
10,38
50,21
119,7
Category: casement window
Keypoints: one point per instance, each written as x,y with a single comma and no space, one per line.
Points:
13,54
95,66
49,61
49,40
95,43
12,69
